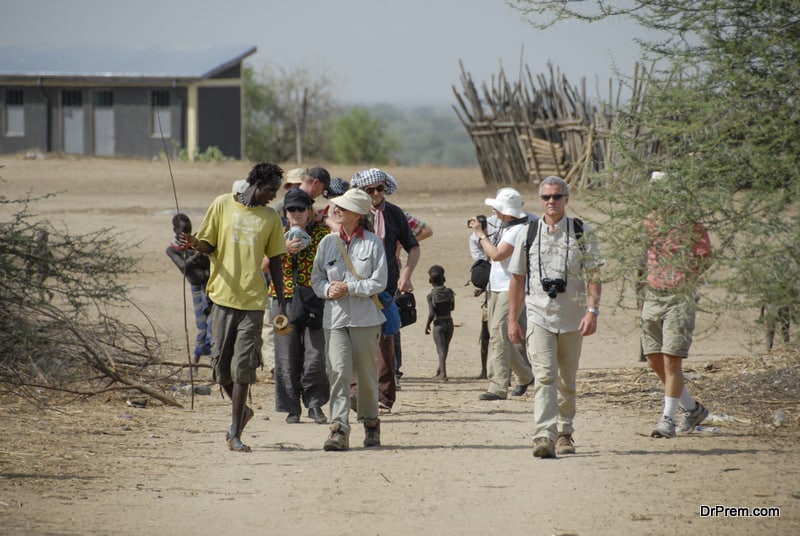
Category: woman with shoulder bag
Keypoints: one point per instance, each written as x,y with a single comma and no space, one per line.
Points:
350,270
300,376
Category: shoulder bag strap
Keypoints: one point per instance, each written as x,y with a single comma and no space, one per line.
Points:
352,269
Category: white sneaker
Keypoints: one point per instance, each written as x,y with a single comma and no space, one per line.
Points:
665,428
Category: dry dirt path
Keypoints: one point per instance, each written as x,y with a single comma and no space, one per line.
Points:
450,464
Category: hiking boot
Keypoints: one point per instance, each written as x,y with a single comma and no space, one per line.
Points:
372,433
338,440
691,418
565,445
543,448
665,428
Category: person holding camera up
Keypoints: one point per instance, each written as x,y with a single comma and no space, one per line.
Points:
561,261
503,354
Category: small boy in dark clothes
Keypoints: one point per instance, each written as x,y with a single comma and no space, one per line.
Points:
195,267
441,302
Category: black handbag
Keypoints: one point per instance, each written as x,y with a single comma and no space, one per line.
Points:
407,306
479,273
305,307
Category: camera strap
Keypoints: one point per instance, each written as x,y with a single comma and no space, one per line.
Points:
516,221
533,230
566,256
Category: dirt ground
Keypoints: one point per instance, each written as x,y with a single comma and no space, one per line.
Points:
449,464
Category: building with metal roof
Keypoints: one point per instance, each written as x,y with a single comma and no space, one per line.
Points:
122,101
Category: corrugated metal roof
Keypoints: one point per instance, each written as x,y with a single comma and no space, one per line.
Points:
118,62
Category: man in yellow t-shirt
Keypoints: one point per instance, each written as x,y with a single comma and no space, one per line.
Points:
238,231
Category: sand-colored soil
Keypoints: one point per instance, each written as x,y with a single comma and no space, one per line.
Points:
449,464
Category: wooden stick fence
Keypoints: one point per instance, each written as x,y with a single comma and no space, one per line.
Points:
540,126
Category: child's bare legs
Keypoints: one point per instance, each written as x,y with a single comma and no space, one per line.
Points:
442,335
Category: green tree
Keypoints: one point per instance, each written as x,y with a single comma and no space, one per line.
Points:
360,138
720,115
287,114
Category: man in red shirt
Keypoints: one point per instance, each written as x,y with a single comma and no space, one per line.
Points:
675,259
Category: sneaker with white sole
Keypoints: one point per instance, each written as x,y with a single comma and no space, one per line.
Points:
691,418
665,428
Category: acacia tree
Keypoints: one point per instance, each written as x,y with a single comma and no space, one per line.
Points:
721,106
359,138
287,114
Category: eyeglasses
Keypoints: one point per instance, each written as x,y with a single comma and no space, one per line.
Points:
556,197
295,209
371,190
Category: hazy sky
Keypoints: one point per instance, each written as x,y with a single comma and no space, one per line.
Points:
398,52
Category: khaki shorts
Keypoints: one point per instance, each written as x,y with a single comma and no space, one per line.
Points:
236,344
668,323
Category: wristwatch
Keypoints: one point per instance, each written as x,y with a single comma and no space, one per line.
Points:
594,310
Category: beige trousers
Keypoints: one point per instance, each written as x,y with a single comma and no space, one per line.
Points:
504,356
555,358
352,351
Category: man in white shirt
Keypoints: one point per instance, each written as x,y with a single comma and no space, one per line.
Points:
562,264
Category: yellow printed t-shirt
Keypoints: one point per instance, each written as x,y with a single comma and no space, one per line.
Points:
241,237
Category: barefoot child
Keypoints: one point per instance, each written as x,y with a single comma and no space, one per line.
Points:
441,301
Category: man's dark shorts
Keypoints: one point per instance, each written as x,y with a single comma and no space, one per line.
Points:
236,344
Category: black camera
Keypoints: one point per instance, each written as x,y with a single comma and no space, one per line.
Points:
553,286
481,219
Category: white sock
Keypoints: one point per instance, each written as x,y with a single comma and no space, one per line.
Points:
687,402
670,406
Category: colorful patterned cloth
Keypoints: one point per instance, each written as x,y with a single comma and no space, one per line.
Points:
305,262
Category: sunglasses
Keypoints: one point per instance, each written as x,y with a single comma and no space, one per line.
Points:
296,209
372,189
556,197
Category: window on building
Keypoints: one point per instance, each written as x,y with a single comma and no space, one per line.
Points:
72,98
15,112
161,117
103,99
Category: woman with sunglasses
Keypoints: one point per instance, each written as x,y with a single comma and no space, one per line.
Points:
300,375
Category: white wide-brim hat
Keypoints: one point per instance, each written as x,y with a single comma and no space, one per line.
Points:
508,202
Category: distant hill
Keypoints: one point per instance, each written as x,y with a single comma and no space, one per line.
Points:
427,135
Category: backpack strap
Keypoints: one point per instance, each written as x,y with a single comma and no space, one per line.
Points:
577,225
533,232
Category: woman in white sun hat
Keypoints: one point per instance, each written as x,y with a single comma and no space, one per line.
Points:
504,356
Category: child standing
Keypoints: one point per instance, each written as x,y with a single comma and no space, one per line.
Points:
195,268
441,302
